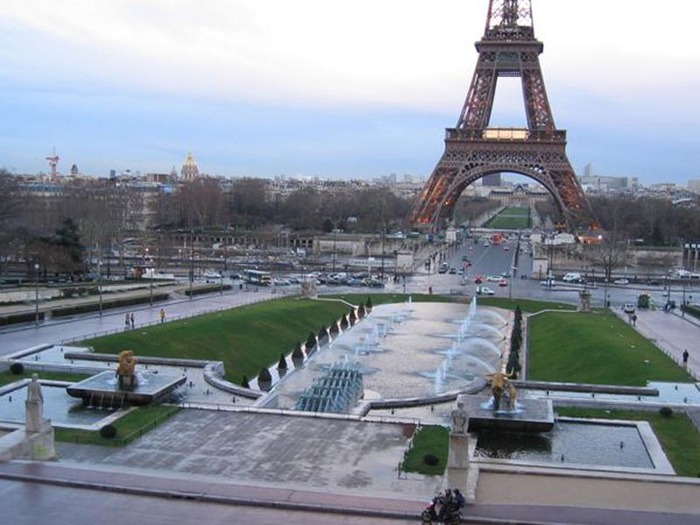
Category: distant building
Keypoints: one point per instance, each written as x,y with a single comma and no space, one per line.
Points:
189,170
694,185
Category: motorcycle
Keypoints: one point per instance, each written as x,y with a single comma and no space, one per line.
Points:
431,514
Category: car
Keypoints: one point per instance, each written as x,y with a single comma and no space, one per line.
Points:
478,279
484,290
487,244
503,282
622,281
506,248
493,278
453,270
629,308
548,283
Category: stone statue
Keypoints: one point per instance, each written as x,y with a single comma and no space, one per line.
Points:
460,417
34,405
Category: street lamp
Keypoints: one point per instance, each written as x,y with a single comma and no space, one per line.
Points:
36,293
151,269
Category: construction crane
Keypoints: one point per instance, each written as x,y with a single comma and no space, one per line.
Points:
53,162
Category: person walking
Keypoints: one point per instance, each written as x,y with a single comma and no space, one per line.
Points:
127,321
162,315
686,355
133,322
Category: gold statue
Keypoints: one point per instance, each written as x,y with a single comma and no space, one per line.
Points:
125,370
500,384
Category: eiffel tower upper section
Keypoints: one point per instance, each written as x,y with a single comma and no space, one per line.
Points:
473,149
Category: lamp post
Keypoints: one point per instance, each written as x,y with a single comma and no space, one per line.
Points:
36,293
191,262
99,282
221,279
151,271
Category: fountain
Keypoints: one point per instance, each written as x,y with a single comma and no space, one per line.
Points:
124,387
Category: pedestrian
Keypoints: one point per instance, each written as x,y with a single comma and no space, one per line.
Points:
686,355
162,315
127,322
133,323
634,319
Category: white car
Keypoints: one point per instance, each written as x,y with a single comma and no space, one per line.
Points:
549,283
484,290
622,281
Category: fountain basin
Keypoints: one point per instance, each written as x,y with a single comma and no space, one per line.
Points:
531,415
103,390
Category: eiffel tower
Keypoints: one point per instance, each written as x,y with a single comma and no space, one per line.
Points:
473,149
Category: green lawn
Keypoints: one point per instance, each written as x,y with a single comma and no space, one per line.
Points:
379,298
246,339
511,219
129,427
596,348
429,440
677,434
527,306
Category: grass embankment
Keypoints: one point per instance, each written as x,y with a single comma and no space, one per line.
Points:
597,348
245,339
511,219
677,434
129,427
527,306
379,298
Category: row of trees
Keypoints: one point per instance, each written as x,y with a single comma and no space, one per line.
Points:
84,217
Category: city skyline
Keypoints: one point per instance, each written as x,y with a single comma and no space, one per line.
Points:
335,89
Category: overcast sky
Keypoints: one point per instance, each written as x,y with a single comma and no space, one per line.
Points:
333,88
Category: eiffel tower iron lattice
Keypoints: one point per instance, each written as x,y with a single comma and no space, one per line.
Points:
473,149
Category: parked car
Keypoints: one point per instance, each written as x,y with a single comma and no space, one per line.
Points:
629,308
484,290
622,281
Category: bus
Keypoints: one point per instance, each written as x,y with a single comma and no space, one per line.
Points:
257,277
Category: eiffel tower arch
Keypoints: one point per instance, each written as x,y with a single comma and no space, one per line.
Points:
473,149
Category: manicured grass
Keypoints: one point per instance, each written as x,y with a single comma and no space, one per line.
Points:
429,440
129,427
246,339
511,219
8,377
527,306
596,348
677,434
379,298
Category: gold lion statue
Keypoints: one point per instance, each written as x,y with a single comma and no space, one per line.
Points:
127,363
501,385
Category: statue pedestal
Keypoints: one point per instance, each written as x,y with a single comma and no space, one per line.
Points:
461,474
458,455
41,444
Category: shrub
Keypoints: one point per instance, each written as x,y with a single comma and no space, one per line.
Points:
297,353
368,304
244,382
108,432
264,376
282,365
310,341
666,411
17,368
431,459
